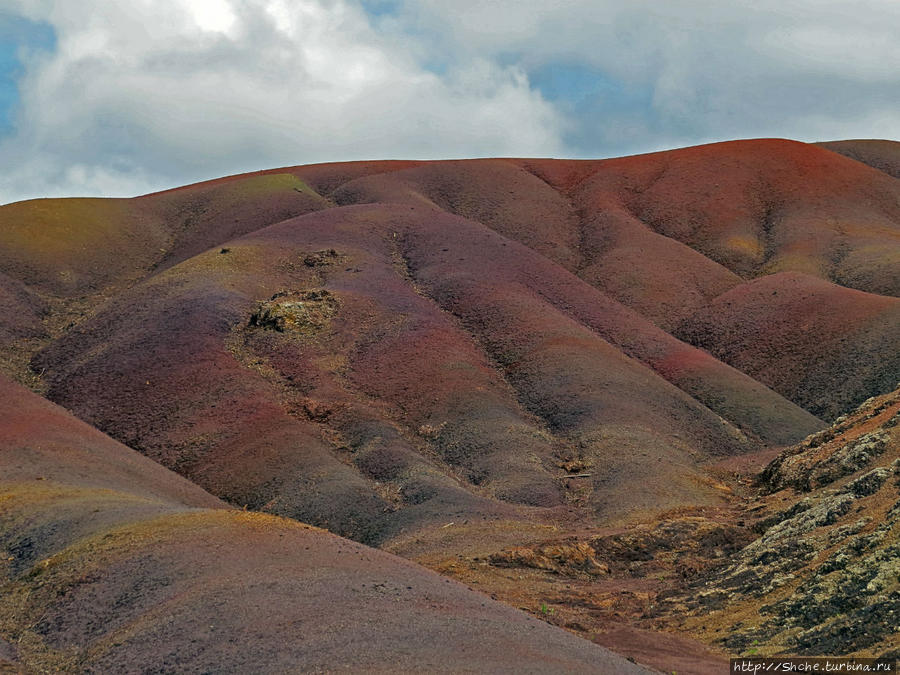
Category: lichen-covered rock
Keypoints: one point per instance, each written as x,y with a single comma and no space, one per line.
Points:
296,311
853,590
799,472
869,483
824,574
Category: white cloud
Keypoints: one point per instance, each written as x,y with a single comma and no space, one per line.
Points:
152,93
874,53
696,70
213,15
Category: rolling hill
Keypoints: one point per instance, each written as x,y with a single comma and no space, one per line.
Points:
113,563
447,359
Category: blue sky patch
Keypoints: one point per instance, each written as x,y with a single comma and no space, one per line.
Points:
380,7
571,82
17,35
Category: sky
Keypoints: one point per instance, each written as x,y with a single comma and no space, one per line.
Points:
102,98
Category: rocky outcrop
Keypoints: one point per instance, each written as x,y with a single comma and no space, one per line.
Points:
824,457
295,311
823,578
574,558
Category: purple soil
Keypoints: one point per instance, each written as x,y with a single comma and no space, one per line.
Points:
881,155
791,331
23,310
145,570
411,375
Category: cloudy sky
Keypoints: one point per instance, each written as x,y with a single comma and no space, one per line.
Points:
121,98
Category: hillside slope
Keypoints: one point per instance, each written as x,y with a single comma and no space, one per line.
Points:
112,563
881,155
823,577
372,346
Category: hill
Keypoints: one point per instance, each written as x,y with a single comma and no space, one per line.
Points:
457,360
112,563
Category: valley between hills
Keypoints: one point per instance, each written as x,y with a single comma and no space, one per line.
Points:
520,415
